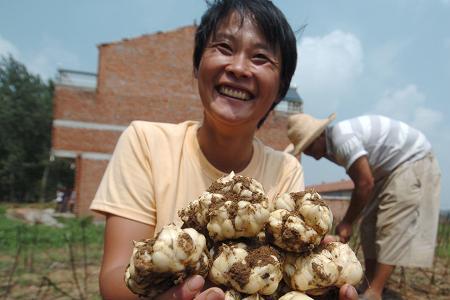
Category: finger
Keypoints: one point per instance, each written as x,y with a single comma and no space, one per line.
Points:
330,238
186,291
211,294
348,292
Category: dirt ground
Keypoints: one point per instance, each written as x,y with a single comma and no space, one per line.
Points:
51,275
59,284
418,284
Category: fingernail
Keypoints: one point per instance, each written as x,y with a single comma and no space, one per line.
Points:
195,283
351,293
213,295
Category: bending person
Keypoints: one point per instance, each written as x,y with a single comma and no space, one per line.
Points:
397,187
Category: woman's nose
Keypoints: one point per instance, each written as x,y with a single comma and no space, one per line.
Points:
239,66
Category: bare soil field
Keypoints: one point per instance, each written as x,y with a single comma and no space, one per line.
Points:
418,284
58,280
57,285
39,262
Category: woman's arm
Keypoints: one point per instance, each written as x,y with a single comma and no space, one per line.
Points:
118,247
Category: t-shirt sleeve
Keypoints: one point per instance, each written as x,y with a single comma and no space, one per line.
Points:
347,152
126,188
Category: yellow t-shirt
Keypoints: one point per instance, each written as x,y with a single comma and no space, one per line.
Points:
157,168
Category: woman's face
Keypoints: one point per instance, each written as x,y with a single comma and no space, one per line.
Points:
239,74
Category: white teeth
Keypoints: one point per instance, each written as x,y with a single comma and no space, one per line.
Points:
234,93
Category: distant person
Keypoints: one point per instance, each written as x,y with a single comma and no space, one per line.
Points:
72,201
67,192
397,183
245,54
59,198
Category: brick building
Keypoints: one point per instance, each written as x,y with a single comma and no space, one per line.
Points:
144,78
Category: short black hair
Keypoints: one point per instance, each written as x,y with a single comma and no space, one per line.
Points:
269,19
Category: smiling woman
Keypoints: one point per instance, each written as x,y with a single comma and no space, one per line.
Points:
244,59
238,75
269,27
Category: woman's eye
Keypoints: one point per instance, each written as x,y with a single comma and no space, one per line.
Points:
224,48
261,58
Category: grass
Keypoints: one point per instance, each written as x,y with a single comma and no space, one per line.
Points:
42,262
43,237
443,239
14,233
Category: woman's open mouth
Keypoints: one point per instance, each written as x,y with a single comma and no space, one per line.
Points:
234,93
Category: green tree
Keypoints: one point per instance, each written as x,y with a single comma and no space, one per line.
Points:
25,131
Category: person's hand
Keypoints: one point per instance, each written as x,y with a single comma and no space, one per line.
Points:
344,231
192,289
348,292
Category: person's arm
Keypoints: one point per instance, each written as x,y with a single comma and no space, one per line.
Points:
118,247
362,177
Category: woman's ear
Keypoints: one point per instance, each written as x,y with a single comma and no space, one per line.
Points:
196,73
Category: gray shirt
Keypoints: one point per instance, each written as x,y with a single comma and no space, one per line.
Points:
387,143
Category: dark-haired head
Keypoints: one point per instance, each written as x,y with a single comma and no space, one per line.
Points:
268,18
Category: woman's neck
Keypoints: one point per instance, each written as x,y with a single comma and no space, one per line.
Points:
227,151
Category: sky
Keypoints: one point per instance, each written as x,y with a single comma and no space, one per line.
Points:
389,57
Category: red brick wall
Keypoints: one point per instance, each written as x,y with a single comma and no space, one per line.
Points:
150,78
88,175
145,78
273,132
84,140
75,104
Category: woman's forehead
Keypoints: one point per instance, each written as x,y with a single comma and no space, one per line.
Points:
235,21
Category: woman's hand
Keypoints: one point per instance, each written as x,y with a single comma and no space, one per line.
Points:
192,289
348,292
